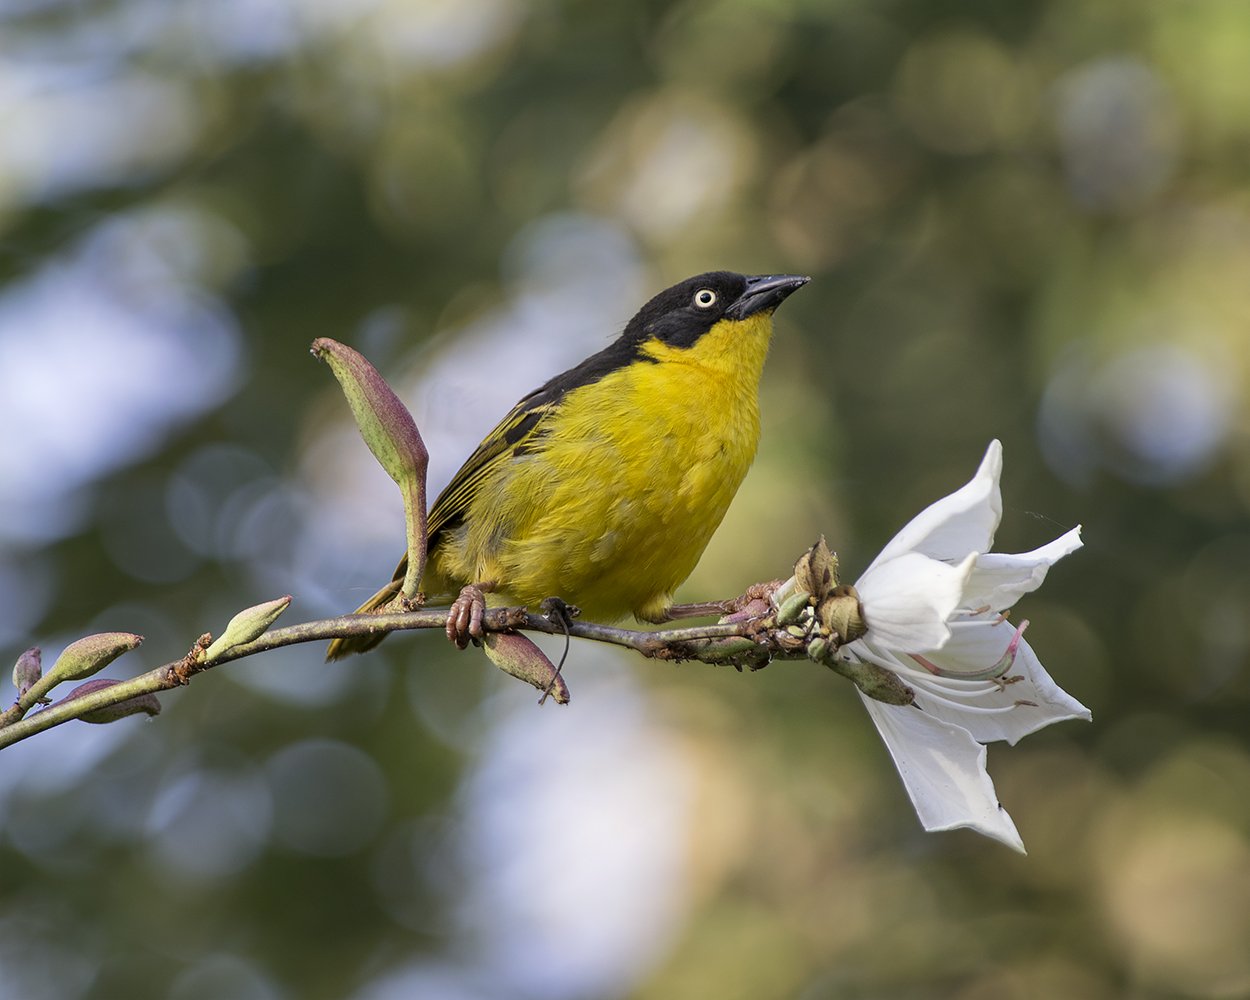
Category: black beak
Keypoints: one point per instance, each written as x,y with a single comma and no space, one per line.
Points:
764,293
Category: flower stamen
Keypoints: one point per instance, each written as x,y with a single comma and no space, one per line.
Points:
952,685
993,672
963,706
933,668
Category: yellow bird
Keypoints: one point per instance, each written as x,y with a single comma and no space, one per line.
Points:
603,487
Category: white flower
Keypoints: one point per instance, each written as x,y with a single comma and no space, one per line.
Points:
933,603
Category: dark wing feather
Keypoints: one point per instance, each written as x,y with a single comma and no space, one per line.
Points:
520,428
500,445
517,432
507,439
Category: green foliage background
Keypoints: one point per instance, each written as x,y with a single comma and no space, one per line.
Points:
1028,221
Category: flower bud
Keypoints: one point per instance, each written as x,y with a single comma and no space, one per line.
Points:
392,436
516,654
90,655
145,703
250,623
27,670
817,569
841,613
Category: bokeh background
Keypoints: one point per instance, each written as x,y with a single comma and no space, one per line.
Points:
1028,221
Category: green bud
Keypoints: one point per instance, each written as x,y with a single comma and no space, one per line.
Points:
90,655
145,703
27,670
818,648
876,682
792,607
250,623
392,436
516,654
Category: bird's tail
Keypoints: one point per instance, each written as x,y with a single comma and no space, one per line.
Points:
347,645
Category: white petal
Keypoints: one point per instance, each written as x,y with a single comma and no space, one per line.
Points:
1000,579
965,703
943,769
907,601
957,524
975,645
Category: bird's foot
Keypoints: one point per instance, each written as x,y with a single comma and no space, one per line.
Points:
751,604
675,612
755,602
559,612
464,618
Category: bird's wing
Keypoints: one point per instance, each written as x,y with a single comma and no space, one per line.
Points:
509,438
516,433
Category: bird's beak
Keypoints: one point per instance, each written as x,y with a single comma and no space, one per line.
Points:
765,292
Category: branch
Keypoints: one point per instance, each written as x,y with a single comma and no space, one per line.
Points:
750,643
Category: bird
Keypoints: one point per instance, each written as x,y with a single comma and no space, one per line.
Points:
603,486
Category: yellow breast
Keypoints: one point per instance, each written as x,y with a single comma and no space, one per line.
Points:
613,505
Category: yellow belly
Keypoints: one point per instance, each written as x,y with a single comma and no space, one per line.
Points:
616,502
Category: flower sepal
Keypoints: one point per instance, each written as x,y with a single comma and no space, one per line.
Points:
874,682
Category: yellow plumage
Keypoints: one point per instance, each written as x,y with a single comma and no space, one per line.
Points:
617,508
605,486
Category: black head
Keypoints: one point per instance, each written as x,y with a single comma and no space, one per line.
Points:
680,315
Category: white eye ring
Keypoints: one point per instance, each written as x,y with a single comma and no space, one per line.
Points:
705,298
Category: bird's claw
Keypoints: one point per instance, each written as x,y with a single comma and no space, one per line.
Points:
464,618
559,611
754,602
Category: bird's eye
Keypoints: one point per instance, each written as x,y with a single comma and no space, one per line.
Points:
705,298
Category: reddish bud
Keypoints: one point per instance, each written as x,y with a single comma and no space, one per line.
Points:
27,670
141,703
516,654
392,436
